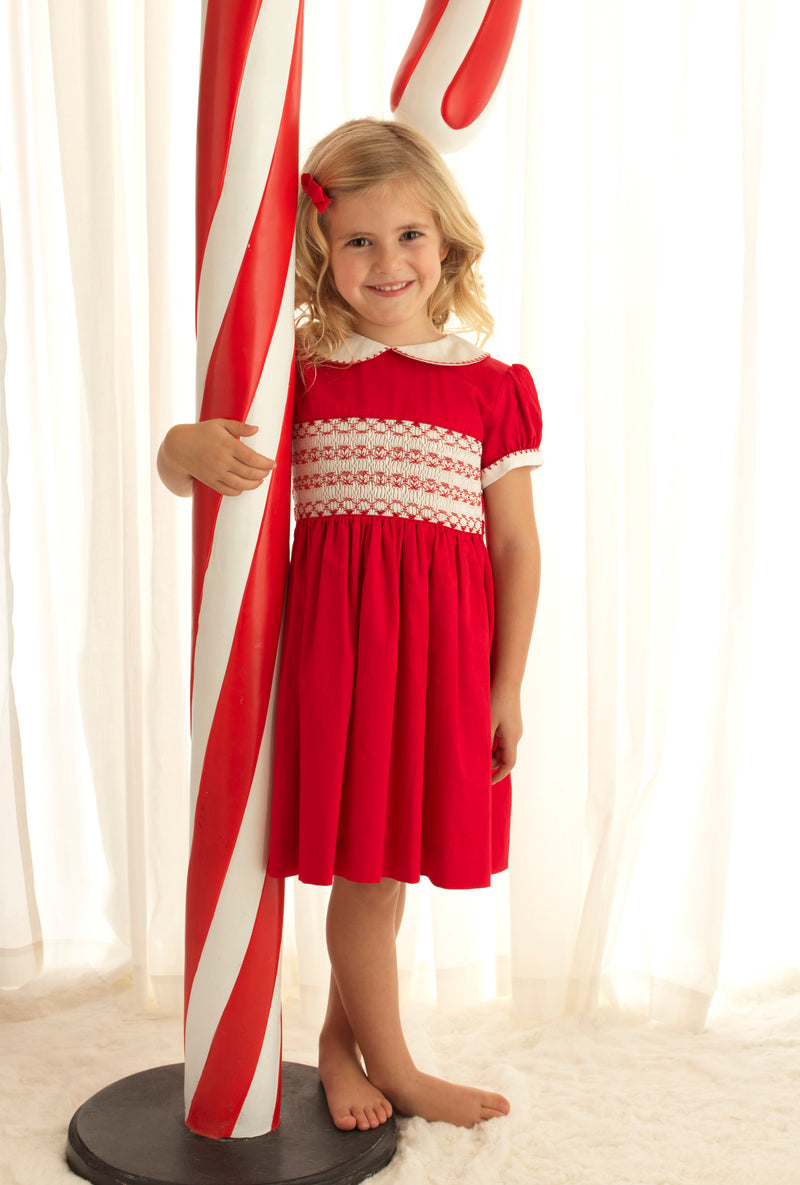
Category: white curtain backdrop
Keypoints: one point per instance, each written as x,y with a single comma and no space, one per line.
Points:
639,187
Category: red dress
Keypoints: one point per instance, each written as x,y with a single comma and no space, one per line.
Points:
383,749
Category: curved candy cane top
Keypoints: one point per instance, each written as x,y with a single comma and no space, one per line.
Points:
452,68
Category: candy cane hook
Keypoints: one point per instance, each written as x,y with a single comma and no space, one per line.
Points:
452,68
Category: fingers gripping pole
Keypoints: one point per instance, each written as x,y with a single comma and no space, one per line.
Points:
452,68
246,202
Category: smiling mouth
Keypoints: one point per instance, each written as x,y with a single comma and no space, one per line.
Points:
390,289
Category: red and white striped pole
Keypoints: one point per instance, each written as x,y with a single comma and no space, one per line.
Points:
246,202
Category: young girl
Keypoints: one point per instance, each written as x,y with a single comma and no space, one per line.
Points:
406,636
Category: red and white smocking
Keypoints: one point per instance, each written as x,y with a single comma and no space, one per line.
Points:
391,468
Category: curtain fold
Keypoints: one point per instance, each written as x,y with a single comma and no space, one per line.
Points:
639,201
21,952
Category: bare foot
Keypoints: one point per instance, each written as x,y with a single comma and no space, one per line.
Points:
352,1099
435,1099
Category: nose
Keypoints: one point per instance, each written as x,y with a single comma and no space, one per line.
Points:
386,259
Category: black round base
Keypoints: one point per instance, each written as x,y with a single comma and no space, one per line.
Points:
133,1133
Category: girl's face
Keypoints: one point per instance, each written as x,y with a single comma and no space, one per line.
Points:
386,257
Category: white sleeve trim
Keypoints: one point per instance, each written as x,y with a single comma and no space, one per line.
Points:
526,459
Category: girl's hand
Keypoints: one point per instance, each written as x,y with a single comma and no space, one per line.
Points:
506,730
211,453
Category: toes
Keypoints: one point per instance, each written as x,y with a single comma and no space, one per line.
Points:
498,1106
344,1121
372,1117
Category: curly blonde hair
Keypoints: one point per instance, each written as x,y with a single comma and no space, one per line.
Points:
367,154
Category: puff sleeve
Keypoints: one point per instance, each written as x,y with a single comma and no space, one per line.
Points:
512,426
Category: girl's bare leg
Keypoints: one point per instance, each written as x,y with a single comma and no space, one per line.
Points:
353,1101
361,943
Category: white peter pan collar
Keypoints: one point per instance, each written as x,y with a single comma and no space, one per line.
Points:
450,350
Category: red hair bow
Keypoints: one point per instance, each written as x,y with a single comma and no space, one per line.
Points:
315,191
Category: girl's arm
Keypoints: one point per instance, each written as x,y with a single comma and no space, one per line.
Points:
212,453
513,544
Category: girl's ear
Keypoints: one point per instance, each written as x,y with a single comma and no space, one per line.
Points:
444,250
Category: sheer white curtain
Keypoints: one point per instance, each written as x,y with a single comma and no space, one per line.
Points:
98,157
638,190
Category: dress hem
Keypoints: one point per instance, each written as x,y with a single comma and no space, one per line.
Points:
439,883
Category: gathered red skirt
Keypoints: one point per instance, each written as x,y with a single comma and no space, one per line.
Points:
383,749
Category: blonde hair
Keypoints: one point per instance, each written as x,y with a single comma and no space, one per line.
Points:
368,154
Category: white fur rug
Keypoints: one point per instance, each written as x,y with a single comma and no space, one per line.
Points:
605,1100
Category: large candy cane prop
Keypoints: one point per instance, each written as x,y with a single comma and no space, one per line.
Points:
452,68
246,197
246,202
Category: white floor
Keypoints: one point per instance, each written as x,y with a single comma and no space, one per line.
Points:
599,1101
